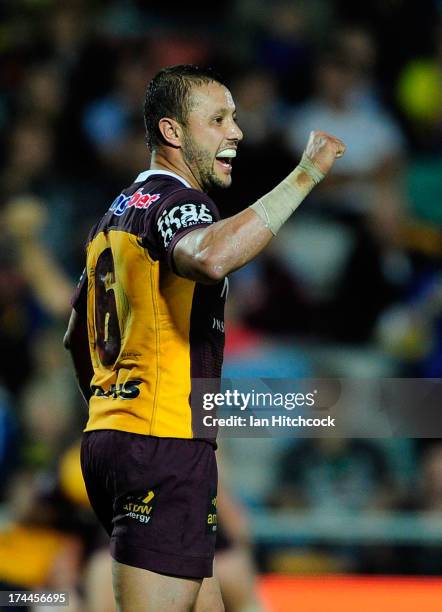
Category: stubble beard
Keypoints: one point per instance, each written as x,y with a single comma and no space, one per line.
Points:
201,164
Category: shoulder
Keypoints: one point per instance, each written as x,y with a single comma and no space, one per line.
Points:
178,209
166,190
188,203
184,209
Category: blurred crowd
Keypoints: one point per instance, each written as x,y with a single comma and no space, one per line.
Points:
352,287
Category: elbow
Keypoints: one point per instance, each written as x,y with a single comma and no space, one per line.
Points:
204,264
210,268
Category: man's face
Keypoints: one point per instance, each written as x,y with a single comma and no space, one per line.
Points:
211,136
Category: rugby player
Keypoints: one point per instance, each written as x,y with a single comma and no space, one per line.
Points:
147,318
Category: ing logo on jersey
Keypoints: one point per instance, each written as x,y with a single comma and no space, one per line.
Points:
184,215
139,199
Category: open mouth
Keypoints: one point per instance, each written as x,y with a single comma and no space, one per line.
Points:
224,158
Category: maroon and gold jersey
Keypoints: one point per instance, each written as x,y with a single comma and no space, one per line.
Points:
150,330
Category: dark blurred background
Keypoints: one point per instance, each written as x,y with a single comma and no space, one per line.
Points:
351,288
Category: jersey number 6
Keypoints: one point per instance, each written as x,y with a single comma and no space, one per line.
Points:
106,316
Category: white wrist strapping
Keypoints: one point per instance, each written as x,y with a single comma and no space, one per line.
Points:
278,205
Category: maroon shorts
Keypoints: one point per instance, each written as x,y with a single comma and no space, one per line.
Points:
156,498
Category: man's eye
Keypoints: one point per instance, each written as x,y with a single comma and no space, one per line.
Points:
218,119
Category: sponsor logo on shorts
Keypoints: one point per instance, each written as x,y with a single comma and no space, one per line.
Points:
139,200
212,519
139,507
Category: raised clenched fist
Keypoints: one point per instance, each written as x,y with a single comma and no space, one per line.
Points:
323,150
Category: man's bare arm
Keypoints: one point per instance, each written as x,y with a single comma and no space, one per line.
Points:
24,218
208,254
77,343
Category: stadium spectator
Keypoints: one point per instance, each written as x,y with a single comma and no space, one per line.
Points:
335,475
35,554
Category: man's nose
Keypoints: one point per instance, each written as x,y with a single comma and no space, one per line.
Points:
234,132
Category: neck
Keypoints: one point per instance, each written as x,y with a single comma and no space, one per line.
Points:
173,163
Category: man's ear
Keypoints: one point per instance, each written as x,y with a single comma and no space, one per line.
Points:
171,131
